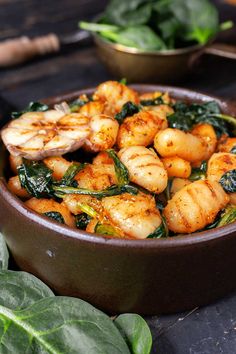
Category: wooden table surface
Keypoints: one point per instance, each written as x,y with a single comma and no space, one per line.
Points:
209,330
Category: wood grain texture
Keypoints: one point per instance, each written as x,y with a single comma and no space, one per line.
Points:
209,330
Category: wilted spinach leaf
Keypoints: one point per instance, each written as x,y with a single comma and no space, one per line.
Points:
228,216
154,102
32,107
128,110
56,216
82,220
36,177
79,102
121,170
71,172
186,116
4,256
161,231
199,172
135,332
233,150
228,181
108,192
105,229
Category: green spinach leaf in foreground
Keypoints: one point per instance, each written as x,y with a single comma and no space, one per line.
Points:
136,333
20,289
121,170
59,325
228,181
4,256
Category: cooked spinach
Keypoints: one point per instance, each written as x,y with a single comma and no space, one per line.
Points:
73,169
233,150
32,107
55,215
228,216
228,181
33,320
199,172
123,81
135,332
160,24
78,103
161,231
4,256
121,170
154,102
113,190
36,177
105,229
128,110
186,116
224,217
82,220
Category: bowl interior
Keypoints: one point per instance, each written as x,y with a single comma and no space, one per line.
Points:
181,240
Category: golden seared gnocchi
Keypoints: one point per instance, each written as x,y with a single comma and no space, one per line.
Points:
177,167
136,215
140,129
174,142
145,168
207,132
104,130
45,206
195,206
126,164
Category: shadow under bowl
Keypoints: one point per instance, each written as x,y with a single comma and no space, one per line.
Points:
117,275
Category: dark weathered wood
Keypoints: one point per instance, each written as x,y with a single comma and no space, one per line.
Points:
210,330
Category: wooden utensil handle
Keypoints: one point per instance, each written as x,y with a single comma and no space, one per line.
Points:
20,50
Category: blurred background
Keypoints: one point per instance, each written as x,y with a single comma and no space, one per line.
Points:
78,66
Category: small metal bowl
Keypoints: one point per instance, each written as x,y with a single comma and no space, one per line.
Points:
166,66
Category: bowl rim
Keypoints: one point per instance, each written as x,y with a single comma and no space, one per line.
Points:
132,50
83,236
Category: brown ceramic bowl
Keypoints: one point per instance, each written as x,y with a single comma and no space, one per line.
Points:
117,275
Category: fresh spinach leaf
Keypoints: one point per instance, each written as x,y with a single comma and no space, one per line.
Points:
140,37
161,231
36,177
199,172
59,325
32,107
128,13
20,290
113,190
4,255
128,110
82,220
228,181
135,332
56,216
121,170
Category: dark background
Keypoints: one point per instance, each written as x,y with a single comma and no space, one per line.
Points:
209,330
